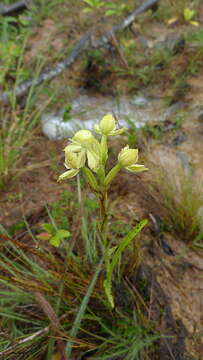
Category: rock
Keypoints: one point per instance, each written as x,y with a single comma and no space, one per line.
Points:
179,139
139,101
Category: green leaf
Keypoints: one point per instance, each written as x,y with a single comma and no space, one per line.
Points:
111,5
108,291
188,14
81,311
90,178
49,228
63,233
55,241
115,259
111,250
87,10
110,12
89,2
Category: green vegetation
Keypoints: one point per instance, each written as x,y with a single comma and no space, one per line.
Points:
69,283
62,282
181,199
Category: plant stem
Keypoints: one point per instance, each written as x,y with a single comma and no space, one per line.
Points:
104,217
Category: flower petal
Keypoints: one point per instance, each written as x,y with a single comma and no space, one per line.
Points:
117,132
73,148
68,174
136,168
97,129
71,159
93,160
83,137
81,159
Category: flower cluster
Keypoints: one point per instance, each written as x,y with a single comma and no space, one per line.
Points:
86,152
84,147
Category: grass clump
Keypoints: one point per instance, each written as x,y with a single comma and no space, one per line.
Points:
181,199
45,291
64,291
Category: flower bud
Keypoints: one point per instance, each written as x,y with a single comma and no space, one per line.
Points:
107,124
127,156
83,137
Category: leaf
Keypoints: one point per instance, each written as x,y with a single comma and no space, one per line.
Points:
110,5
55,241
90,178
172,21
63,233
108,291
81,311
49,228
121,247
89,2
188,14
111,250
87,10
110,12
194,23
43,236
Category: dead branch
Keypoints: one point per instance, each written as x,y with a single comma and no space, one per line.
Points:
29,338
86,42
16,7
12,348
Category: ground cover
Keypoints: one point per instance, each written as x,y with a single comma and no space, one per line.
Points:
158,283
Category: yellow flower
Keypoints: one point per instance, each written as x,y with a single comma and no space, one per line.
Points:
127,158
107,126
83,140
83,137
84,147
74,160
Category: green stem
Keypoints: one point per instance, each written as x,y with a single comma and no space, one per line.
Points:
104,149
104,217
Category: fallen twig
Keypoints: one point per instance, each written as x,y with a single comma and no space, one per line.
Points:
16,7
25,340
86,42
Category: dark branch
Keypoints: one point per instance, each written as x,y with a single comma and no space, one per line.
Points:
86,42
16,7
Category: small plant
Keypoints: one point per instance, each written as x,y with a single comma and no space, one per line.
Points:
67,113
85,153
53,235
188,15
111,8
93,5
195,38
116,9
